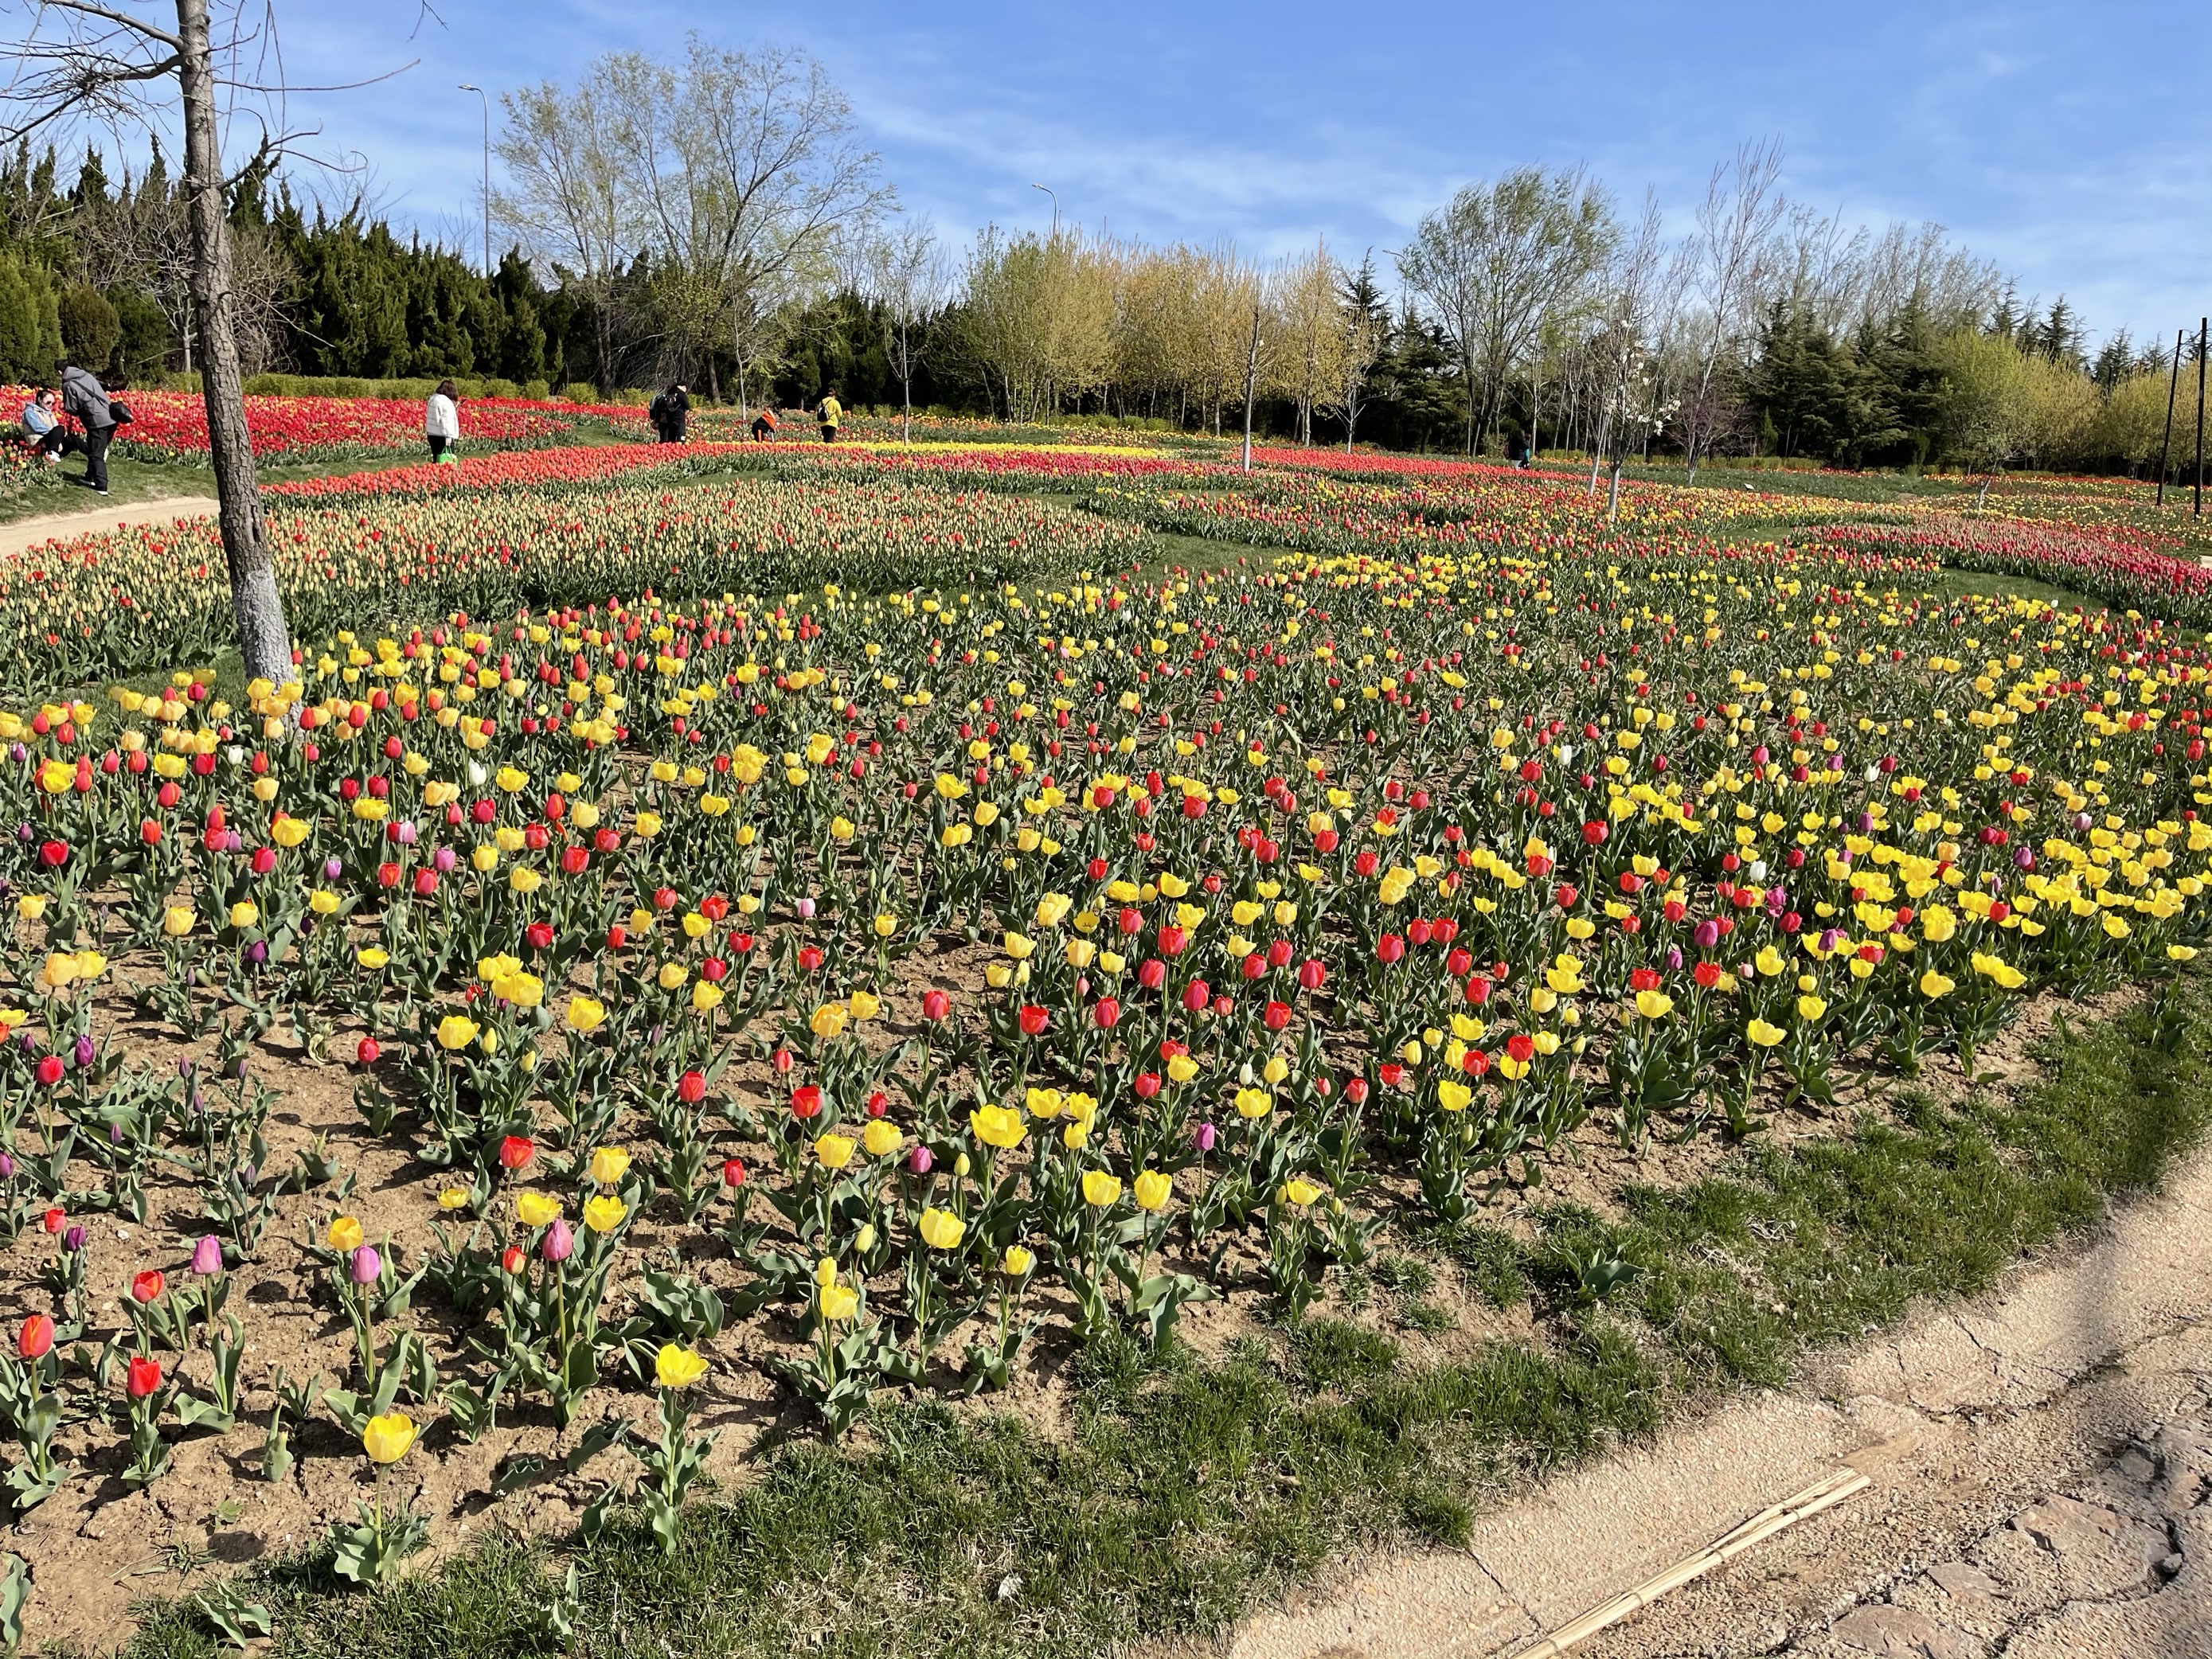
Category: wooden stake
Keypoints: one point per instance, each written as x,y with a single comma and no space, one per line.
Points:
2166,444
1823,1494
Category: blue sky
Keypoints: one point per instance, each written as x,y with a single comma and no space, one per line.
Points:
2073,143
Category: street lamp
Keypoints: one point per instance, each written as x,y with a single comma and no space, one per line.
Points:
469,87
1049,190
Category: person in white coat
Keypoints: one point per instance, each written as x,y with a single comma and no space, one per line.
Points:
441,419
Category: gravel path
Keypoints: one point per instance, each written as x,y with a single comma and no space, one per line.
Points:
2042,1468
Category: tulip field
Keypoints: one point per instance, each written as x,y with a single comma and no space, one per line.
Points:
738,947
171,427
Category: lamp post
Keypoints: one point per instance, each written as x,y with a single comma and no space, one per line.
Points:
466,86
1049,190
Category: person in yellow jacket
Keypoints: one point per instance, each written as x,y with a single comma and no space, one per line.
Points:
831,415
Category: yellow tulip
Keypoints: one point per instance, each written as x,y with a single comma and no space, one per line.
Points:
604,1214
677,1367
1100,1188
1152,1190
609,1165
345,1233
535,1209
940,1229
1763,1035
457,1031
997,1125
1017,1261
835,1150
838,1302
1654,1005
177,920
1299,1191
386,1438
881,1137
829,1020
1933,984
585,1015
452,1198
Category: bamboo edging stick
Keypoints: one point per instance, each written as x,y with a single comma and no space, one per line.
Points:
1845,1483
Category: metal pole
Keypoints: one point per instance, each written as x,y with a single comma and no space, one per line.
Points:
1049,190
469,87
2173,384
2198,508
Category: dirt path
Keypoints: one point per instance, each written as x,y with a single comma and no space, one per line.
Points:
2042,1468
27,533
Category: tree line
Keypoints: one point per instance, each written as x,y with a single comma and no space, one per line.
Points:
714,217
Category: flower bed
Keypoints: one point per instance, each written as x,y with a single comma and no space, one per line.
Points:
826,972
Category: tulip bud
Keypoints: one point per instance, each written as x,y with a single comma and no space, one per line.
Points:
367,1265
207,1256
919,1161
559,1242
1204,1137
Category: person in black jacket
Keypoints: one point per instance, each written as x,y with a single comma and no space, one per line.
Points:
670,413
81,397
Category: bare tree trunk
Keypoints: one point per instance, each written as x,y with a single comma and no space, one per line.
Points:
1251,374
262,637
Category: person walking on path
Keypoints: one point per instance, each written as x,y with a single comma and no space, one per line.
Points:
831,414
42,430
670,413
441,419
81,397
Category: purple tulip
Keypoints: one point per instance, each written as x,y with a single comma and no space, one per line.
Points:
1674,958
1708,935
115,1134
84,1051
17,753
207,1257
73,1240
24,834
256,953
368,1266
1829,936
233,843
7,1167
444,859
1203,1137
559,1242
919,1161
2023,859
333,869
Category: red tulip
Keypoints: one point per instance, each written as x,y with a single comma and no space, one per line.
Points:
365,1051
807,1100
1107,1014
1277,1016
1034,1019
935,1005
1196,995
691,1088
146,1286
36,1339
1147,1085
734,1172
54,1219
1390,949
515,1152
511,1259
50,1070
144,1377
